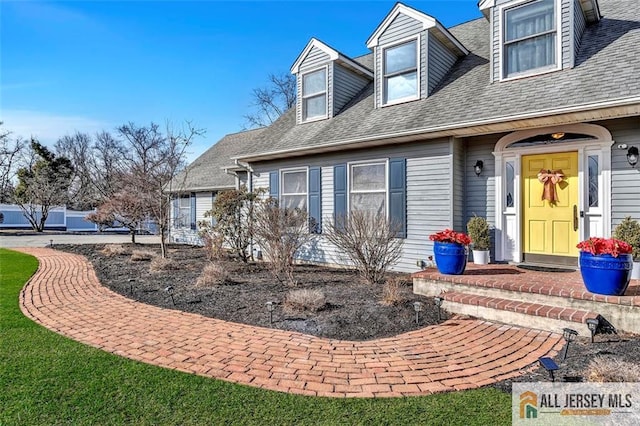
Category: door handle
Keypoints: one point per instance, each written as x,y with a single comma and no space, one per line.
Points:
575,217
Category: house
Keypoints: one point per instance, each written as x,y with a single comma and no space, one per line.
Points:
436,125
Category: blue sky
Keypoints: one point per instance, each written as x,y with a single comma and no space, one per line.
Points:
87,66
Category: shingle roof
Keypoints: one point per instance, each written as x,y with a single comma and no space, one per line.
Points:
607,68
206,172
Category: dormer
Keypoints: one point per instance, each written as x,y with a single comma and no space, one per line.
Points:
326,81
531,37
412,53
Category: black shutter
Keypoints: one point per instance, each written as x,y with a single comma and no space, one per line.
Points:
398,195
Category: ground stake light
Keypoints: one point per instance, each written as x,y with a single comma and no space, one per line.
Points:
438,301
270,308
569,336
51,243
417,307
169,291
131,281
593,324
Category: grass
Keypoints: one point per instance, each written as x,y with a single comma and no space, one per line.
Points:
48,379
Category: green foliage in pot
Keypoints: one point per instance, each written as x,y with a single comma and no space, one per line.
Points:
478,230
629,231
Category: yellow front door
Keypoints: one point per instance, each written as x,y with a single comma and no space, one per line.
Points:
550,228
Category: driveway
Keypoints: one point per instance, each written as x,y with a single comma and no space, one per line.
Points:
29,239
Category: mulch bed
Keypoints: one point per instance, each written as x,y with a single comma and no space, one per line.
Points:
354,310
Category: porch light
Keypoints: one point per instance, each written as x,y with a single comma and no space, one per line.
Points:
632,156
557,135
270,307
438,302
478,167
569,336
593,324
417,307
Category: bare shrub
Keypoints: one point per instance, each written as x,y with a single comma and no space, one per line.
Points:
212,240
305,300
369,240
142,255
163,264
213,274
392,291
609,369
281,233
114,250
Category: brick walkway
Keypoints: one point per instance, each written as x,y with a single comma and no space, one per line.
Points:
65,296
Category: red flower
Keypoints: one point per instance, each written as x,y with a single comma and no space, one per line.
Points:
596,246
450,236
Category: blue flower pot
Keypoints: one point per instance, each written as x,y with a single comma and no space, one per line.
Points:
451,258
605,274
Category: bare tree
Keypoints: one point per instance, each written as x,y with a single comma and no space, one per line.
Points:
369,241
10,154
272,101
42,184
78,148
122,209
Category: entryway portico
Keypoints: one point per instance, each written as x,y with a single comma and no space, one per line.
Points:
530,228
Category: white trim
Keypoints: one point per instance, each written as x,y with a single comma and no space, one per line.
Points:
385,162
503,153
418,39
314,95
333,56
558,30
282,172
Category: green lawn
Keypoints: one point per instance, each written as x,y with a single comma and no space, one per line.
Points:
47,379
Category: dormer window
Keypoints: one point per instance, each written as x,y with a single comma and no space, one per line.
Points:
401,72
314,95
530,38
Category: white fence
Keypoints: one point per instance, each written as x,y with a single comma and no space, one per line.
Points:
12,217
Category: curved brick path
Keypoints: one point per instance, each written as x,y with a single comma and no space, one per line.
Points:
65,296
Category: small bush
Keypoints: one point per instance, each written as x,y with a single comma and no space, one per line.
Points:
607,369
629,231
163,264
478,229
213,274
392,291
114,250
305,300
142,255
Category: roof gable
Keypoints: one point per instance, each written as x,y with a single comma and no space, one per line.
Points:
427,22
334,55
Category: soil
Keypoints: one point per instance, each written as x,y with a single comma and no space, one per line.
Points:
353,310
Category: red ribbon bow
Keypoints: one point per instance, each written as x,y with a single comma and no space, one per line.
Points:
550,178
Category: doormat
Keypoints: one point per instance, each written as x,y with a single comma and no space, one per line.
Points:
539,268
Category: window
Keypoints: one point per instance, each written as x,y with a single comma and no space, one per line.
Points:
510,184
294,189
314,94
183,212
593,180
368,188
530,37
401,72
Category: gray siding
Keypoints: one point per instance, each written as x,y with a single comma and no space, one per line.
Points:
314,60
440,62
429,195
480,190
625,180
346,85
566,33
401,28
458,193
580,24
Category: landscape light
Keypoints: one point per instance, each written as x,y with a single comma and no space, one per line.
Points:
593,324
417,307
569,336
270,308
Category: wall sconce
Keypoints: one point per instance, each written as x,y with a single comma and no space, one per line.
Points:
478,167
632,156
558,135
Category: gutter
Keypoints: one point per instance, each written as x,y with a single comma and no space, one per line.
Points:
445,130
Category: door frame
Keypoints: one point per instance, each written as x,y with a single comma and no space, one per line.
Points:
596,221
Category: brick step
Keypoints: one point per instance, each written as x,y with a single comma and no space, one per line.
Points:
526,314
